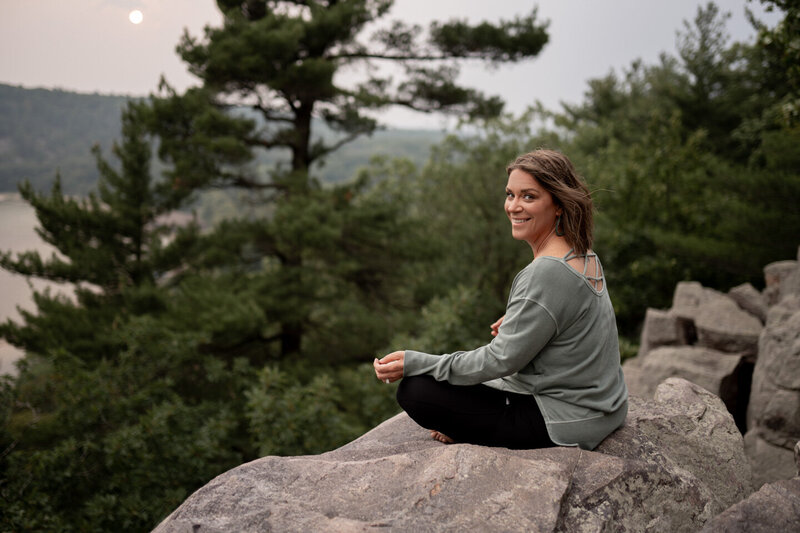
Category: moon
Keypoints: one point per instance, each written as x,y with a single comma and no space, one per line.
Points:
135,16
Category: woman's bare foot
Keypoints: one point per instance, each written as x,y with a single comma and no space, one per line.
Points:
441,437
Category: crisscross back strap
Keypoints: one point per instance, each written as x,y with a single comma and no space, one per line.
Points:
592,269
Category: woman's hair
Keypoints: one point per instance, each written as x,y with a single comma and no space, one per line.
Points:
556,174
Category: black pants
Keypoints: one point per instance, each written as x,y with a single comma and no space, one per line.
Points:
476,414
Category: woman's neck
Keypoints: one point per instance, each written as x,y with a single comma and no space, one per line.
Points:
553,245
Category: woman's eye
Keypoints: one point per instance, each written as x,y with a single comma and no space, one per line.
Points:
509,194
529,197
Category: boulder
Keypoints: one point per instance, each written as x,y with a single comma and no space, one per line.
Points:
768,462
774,411
779,348
797,456
635,381
774,508
774,276
663,328
676,463
748,298
715,371
689,296
722,325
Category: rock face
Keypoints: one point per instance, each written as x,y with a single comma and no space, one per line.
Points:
775,507
774,412
744,347
676,463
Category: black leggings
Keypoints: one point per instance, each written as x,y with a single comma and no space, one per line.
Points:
476,414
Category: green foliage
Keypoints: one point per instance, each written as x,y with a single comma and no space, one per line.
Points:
111,239
120,442
327,411
780,51
695,175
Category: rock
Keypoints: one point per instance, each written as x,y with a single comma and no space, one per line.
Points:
634,379
663,328
774,411
768,462
775,272
774,276
774,508
722,325
689,296
694,429
779,348
676,463
720,373
797,456
748,298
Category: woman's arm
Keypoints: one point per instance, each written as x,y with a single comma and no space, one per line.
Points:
527,328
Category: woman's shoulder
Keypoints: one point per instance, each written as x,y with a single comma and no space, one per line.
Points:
546,274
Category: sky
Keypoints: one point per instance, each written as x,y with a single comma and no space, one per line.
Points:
92,46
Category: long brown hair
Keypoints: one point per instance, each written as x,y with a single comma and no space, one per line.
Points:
556,174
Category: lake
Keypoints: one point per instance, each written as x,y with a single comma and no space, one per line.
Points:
17,234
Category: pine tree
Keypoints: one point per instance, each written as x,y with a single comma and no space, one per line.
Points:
112,240
283,61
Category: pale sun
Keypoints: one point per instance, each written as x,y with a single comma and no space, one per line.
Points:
135,16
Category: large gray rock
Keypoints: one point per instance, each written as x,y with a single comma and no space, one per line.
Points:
749,299
689,296
778,283
774,411
768,462
779,348
715,371
676,463
775,508
722,325
663,328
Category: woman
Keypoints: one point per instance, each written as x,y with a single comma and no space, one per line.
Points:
551,375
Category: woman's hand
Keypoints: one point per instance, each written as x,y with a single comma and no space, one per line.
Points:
389,368
496,326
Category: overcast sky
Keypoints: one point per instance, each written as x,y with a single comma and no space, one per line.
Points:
91,46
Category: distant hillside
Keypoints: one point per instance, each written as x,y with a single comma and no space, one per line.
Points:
42,131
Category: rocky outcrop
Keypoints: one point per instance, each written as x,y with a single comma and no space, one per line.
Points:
676,463
774,508
774,411
744,347
715,371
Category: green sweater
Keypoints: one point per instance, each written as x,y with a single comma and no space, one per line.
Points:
558,342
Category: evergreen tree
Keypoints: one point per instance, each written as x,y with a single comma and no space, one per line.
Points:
284,61
112,240
695,171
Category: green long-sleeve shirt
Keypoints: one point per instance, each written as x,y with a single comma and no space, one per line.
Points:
558,342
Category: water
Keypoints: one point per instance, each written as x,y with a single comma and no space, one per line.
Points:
17,234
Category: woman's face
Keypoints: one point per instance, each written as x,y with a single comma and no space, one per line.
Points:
530,208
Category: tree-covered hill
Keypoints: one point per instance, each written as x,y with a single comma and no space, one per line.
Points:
43,131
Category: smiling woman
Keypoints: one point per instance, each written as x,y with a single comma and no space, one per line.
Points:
135,16
552,374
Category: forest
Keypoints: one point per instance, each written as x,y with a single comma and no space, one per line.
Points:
191,349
